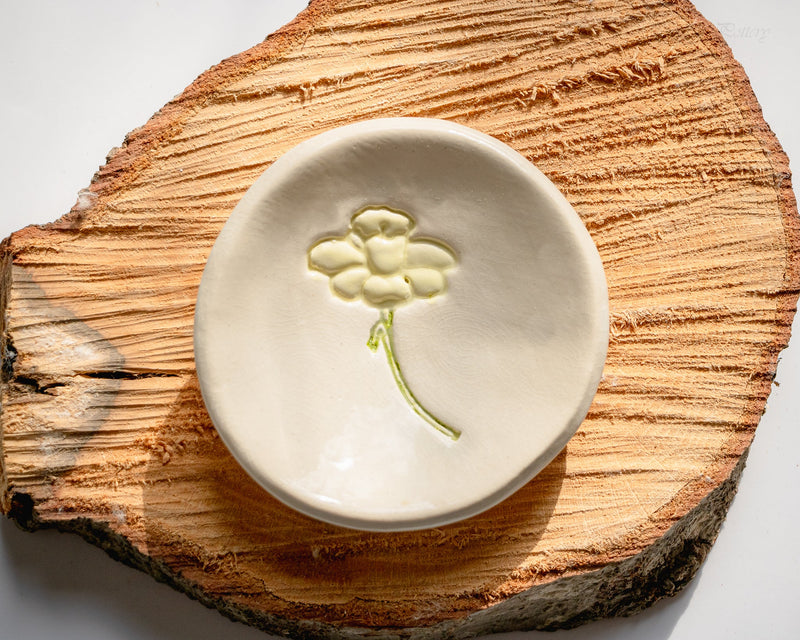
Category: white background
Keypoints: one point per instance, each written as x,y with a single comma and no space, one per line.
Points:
76,77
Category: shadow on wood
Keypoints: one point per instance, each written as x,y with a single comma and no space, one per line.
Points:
196,496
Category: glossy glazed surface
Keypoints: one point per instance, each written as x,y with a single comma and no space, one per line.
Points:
508,354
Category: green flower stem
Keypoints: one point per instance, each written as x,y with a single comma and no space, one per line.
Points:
381,333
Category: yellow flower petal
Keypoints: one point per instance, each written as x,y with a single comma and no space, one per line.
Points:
429,254
333,256
356,240
348,283
373,221
385,255
426,283
386,293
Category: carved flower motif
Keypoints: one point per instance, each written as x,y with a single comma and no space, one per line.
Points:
378,263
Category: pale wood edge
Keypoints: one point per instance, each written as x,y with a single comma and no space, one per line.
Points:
787,203
786,298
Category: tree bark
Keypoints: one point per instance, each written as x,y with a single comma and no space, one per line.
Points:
638,113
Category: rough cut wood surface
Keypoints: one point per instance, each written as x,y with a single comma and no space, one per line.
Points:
634,109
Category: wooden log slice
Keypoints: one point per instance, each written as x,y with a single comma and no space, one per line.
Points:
638,113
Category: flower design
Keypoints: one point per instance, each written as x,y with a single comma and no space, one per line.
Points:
377,263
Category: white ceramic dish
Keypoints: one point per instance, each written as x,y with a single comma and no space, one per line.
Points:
458,260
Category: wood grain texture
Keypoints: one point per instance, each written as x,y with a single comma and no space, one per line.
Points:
634,109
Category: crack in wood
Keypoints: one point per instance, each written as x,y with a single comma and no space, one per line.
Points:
36,385
128,375
9,357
